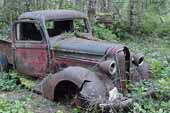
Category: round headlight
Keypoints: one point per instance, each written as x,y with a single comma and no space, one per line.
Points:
108,67
112,68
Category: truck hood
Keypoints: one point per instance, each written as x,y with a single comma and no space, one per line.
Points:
85,46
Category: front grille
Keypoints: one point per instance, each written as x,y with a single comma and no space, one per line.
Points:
122,57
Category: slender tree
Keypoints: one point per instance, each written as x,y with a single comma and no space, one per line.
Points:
91,10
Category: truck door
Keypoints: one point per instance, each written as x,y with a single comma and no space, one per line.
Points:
30,49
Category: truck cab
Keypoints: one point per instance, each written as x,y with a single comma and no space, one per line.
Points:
34,36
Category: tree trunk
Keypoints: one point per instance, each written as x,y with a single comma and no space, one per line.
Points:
133,16
91,10
61,4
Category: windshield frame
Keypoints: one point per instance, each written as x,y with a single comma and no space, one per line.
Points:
85,20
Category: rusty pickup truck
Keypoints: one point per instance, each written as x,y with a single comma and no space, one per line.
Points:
57,47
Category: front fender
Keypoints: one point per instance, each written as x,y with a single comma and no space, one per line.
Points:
141,72
78,76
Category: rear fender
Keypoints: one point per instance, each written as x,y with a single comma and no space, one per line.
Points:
87,82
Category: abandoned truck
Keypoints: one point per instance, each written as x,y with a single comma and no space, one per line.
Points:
57,47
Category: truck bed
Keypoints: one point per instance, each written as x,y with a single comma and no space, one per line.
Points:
6,49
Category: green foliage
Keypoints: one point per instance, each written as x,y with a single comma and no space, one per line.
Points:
121,29
77,109
160,70
13,106
8,83
149,23
163,84
154,23
139,89
157,104
4,30
69,5
25,81
151,106
11,10
103,33
165,72
79,25
164,27
156,67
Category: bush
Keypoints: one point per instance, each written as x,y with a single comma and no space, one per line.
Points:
153,22
103,33
154,104
121,29
13,107
4,30
156,68
151,106
149,23
8,83
164,27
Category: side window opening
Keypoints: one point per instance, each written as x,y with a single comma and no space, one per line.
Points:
28,31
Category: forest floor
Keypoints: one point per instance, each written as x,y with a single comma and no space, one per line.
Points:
24,101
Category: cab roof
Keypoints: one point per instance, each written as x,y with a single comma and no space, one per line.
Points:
52,15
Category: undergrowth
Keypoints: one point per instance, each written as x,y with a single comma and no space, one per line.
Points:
157,54
8,83
16,106
104,33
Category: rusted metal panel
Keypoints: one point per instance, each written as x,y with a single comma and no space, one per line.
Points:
6,49
87,53
32,60
89,47
78,76
52,14
75,54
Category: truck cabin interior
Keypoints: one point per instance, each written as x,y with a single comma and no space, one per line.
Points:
28,31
